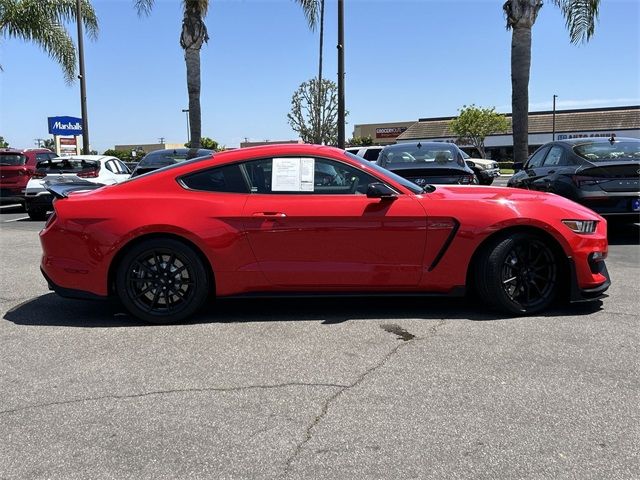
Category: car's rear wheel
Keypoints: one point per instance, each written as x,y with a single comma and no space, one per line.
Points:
518,274
162,281
486,181
37,213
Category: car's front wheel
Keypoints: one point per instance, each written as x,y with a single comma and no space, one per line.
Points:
518,274
162,280
486,181
37,213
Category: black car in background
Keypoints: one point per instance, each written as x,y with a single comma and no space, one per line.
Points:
602,174
426,163
162,158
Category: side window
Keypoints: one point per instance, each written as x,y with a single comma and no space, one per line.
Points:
555,157
536,159
372,154
229,179
111,166
329,177
122,168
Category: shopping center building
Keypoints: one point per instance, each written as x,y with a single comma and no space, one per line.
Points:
591,122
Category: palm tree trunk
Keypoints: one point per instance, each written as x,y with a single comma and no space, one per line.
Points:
320,99
192,59
520,69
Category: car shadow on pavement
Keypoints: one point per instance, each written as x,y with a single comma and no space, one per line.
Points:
623,233
52,310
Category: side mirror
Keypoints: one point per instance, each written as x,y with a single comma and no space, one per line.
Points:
517,166
380,190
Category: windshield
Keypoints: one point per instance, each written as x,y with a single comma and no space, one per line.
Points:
417,155
67,165
169,157
377,168
607,151
168,167
12,159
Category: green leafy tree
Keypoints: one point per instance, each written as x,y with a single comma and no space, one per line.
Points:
43,23
194,35
3,143
580,17
124,155
209,144
475,123
49,143
360,141
315,119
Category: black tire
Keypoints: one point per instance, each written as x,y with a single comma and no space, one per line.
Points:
162,280
518,274
37,214
486,181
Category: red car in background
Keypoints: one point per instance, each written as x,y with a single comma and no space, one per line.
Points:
16,168
306,220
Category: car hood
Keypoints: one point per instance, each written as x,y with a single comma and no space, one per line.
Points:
522,203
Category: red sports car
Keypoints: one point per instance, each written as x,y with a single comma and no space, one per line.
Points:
306,220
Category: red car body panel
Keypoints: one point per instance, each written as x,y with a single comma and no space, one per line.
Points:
306,243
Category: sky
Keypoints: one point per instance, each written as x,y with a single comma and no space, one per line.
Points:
404,60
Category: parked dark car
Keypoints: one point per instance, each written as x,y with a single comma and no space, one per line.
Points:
602,174
426,163
16,167
162,158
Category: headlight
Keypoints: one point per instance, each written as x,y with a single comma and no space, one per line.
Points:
581,226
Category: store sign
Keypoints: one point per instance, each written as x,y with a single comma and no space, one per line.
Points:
68,146
65,125
566,136
389,132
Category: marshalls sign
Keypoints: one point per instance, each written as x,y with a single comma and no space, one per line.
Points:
65,125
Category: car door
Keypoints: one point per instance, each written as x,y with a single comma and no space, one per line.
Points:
322,231
553,161
528,175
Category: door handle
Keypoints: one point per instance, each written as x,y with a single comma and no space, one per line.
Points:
269,214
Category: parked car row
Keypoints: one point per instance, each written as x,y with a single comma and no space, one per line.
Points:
600,173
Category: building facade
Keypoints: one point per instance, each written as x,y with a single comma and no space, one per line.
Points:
592,122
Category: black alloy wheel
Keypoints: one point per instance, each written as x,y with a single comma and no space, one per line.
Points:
518,274
37,214
162,281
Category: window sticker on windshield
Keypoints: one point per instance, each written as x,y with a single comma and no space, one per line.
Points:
292,174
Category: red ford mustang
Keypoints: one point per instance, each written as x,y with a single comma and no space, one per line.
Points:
306,219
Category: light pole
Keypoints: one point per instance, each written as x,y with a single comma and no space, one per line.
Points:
83,84
341,74
553,126
186,110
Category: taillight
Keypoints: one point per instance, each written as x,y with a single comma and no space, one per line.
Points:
37,174
580,180
89,174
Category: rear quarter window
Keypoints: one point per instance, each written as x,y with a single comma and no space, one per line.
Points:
12,159
228,179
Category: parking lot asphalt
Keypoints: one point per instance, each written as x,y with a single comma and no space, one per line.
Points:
347,388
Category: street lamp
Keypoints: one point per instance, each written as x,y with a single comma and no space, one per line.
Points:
553,126
186,110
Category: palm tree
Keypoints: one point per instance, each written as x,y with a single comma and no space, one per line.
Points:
42,22
194,35
580,17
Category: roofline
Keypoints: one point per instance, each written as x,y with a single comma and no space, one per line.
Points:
548,112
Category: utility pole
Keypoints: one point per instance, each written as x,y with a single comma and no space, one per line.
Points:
83,84
553,128
341,74
38,142
320,99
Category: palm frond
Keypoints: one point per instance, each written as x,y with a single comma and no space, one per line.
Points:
580,18
143,7
311,9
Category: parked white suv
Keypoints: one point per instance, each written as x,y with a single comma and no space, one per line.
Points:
98,169
370,153
485,170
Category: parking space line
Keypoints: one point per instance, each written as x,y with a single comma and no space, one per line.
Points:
16,219
13,205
